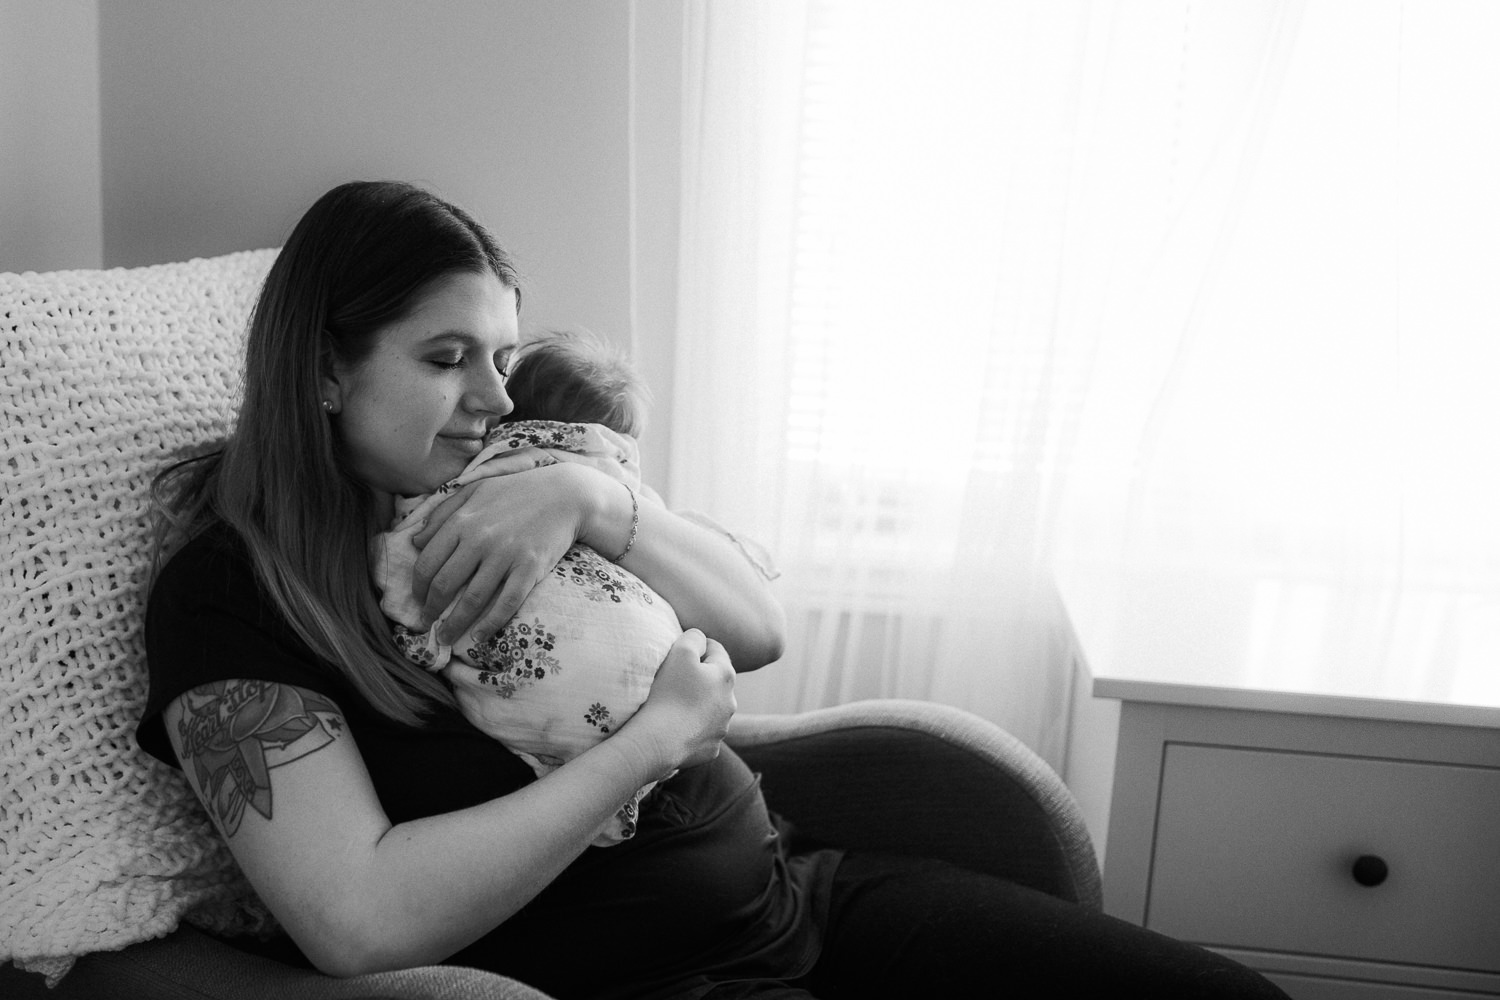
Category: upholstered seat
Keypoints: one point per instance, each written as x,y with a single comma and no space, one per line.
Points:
106,376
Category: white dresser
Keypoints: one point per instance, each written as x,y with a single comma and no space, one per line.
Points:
1320,802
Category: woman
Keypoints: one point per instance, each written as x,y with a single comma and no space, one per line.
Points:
379,827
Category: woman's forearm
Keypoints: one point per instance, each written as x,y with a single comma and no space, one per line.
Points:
430,887
701,573
359,894
487,545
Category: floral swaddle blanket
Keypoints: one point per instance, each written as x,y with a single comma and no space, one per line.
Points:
579,656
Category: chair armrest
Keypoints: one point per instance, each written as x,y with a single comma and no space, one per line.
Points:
189,965
921,778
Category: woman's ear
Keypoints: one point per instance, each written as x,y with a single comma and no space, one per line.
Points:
333,400
331,383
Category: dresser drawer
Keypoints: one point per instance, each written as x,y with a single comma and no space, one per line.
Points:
1255,849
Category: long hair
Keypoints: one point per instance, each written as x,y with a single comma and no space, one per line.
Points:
358,260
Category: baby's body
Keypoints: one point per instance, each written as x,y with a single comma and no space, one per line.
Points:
578,658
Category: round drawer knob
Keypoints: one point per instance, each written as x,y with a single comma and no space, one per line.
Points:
1370,870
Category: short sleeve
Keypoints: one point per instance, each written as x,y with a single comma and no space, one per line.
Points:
208,620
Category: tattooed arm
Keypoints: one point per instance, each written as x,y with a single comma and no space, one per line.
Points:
288,789
232,733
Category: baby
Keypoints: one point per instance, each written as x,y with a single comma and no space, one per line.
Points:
579,656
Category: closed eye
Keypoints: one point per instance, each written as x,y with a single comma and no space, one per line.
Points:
503,361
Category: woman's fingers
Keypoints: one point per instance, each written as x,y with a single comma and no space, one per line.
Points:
440,515
714,652
693,641
435,549
504,600
441,571
716,657
466,611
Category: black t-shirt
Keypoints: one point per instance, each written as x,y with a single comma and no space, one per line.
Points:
705,891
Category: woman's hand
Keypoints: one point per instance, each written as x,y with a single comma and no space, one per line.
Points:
491,542
687,713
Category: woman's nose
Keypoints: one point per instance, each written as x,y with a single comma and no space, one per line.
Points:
487,394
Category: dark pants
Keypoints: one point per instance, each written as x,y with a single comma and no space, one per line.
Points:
902,927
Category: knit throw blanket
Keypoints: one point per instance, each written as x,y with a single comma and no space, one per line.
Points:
106,376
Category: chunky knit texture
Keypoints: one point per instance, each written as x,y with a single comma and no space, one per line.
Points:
106,376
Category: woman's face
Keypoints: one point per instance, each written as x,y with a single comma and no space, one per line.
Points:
413,413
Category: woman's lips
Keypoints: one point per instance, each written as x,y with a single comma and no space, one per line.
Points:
467,445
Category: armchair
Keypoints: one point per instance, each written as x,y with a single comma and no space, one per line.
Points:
107,375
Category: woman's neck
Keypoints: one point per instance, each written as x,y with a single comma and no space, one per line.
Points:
383,505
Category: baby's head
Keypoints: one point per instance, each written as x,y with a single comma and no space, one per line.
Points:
578,379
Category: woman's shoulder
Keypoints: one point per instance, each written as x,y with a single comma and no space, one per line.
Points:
216,541
208,619
213,560
208,590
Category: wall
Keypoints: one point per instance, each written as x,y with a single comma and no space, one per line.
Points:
656,79
223,120
220,121
49,135
1089,767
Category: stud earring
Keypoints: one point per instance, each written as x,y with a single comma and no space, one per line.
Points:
327,406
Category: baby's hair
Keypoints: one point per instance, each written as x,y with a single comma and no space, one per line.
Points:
577,378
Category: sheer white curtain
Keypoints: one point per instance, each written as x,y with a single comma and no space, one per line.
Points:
1319,435
966,287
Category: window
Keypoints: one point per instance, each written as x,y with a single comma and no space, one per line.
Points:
1205,285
